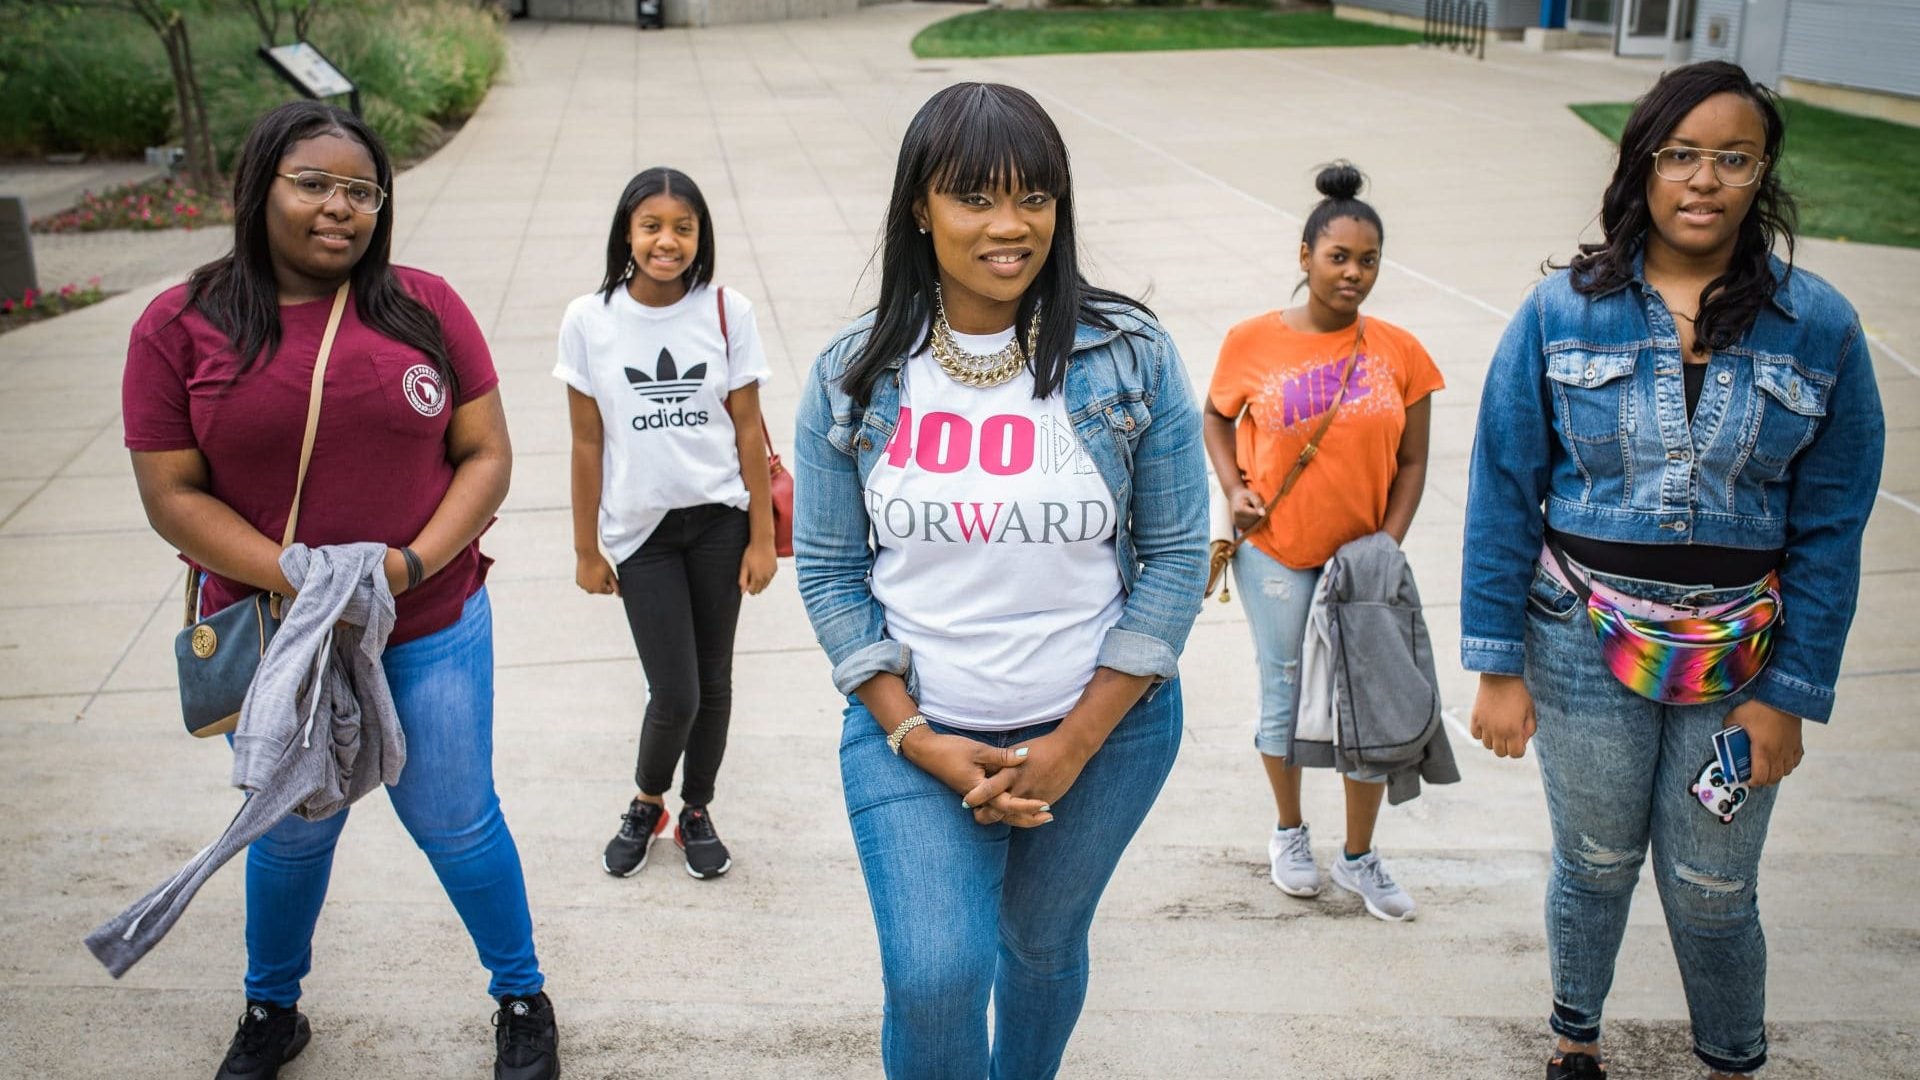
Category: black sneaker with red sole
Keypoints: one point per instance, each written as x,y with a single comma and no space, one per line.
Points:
706,856
627,852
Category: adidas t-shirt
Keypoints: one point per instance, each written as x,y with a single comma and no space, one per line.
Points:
661,376
996,561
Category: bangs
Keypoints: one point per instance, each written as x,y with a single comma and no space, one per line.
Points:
986,138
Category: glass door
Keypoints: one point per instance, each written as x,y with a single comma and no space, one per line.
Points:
1646,28
1591,16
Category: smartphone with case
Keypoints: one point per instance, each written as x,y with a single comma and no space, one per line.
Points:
1722,786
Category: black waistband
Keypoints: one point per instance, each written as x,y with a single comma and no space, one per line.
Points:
1680,564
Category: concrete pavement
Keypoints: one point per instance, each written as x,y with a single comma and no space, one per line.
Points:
1193,171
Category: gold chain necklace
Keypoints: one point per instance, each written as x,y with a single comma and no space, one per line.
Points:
980,372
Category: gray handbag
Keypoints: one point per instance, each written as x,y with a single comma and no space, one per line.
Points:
218,655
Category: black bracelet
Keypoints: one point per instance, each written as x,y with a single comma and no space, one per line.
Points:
416,570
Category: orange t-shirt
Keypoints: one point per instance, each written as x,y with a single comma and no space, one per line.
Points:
1287,380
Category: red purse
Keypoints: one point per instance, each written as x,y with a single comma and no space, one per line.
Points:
779,480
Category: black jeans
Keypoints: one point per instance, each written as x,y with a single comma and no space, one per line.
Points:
682,593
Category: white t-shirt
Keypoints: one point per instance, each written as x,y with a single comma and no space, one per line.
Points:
996,561
660,376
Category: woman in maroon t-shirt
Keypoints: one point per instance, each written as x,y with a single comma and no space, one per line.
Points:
411,451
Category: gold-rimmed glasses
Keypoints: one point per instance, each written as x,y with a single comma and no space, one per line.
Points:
1734,168
314,186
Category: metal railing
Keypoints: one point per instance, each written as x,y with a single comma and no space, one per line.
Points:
1456,24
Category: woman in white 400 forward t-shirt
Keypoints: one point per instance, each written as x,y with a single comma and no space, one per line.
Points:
1000,537
671,504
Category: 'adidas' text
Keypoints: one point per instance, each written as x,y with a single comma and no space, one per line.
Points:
664,419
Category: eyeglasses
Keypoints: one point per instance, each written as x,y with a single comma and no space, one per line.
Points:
314,186
1734,168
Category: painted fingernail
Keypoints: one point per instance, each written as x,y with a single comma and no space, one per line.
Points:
1046,808
1022,752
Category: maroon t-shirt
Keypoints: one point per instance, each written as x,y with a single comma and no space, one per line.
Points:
379,467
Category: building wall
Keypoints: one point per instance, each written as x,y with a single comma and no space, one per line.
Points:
1716,30
1862,44
1501,14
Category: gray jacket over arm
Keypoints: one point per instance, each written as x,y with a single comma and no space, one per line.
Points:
317,731
1388,695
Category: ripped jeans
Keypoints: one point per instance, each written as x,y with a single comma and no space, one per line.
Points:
1277,599
1617,768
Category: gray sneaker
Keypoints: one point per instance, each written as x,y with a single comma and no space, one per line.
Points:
1291,853
1367,878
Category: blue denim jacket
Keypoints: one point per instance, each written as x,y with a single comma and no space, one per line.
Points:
1585,411
1129,399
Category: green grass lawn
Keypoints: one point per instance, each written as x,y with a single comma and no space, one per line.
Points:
997,32
1853,176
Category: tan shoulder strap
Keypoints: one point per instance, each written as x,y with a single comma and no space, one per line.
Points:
1319,432
313,409
306,450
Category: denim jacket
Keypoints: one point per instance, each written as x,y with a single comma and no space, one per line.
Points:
1585,411
1129,400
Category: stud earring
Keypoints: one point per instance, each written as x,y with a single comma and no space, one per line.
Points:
923,230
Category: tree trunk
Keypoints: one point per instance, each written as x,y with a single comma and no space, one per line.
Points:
206,174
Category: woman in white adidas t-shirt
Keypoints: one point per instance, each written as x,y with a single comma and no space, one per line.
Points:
671,503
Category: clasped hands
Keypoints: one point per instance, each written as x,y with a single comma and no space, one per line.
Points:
1014,784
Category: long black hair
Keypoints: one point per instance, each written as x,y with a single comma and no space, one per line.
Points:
1730,302
977,137
658,180
238,293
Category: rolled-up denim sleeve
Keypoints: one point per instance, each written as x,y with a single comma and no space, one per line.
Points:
1169,529
1835,481
1506,481
831,556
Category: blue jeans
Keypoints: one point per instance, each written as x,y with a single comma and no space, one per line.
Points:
443,691
966,910
1276,598
1617,768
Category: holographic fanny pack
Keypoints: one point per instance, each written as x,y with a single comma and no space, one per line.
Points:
1674,654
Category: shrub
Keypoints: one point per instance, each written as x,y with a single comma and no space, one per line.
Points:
97,81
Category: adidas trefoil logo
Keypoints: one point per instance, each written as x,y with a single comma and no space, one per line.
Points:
667,385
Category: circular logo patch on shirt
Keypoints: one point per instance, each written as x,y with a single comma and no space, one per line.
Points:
423,389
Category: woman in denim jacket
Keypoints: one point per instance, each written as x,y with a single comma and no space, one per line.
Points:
1000,531
1695,415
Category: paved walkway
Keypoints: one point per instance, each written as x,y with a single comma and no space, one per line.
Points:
1192,170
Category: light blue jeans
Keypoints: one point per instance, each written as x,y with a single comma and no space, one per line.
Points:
1617,768
443,691
1277,599
965,911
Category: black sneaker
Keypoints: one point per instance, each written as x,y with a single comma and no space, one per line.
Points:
627,852
1573,1066
526,1042
706,856
269,1037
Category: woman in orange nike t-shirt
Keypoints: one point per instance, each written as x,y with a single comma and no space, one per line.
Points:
1283,371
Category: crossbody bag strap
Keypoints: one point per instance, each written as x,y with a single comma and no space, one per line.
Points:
306,450
1313,444
726,348
313,409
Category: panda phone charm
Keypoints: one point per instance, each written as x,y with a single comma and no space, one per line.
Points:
1722,787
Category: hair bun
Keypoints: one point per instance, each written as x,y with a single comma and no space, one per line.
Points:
1340,180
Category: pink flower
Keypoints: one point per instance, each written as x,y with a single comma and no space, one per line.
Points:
69,289
94,281
6,306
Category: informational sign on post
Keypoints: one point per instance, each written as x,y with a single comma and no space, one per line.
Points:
310,72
